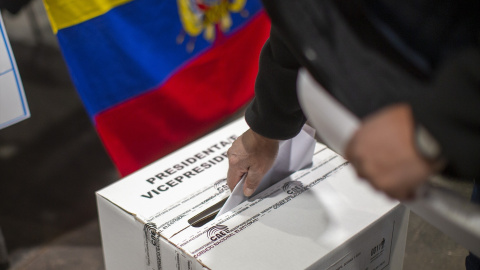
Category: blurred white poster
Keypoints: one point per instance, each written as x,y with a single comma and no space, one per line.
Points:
13,104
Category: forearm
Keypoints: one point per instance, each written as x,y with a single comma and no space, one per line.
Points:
275,112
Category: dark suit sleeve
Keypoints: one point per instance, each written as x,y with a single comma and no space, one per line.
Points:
275,112
451,112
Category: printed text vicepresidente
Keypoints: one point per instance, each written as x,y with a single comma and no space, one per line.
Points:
197,163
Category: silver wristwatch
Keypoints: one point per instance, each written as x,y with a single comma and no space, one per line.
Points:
427,145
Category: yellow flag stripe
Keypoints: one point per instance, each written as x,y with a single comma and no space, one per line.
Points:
66,13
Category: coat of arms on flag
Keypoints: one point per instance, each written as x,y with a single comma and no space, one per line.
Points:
206,17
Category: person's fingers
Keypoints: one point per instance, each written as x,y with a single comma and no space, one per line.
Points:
407,195
251,182
250,154
354,159
237,163
233,176
401,193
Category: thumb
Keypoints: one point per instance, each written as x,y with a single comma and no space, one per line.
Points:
252,180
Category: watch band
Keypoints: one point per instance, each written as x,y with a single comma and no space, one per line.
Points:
427,145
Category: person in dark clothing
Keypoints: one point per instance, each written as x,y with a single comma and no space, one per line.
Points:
382,69
409,69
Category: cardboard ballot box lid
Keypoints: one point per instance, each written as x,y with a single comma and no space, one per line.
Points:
321,217
177,176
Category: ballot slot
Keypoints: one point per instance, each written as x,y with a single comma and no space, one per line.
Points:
293,155
206,215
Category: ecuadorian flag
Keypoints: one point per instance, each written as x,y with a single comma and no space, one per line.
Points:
156,74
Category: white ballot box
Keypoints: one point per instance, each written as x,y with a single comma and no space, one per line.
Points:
321,217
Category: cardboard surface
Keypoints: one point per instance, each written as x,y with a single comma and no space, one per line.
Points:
321,217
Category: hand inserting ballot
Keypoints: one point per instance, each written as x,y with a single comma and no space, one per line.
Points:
253,155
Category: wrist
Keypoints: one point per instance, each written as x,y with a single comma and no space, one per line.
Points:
261,138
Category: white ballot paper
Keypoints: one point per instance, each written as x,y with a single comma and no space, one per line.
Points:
336,125
293,155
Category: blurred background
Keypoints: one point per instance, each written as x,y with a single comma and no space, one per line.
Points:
52,163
